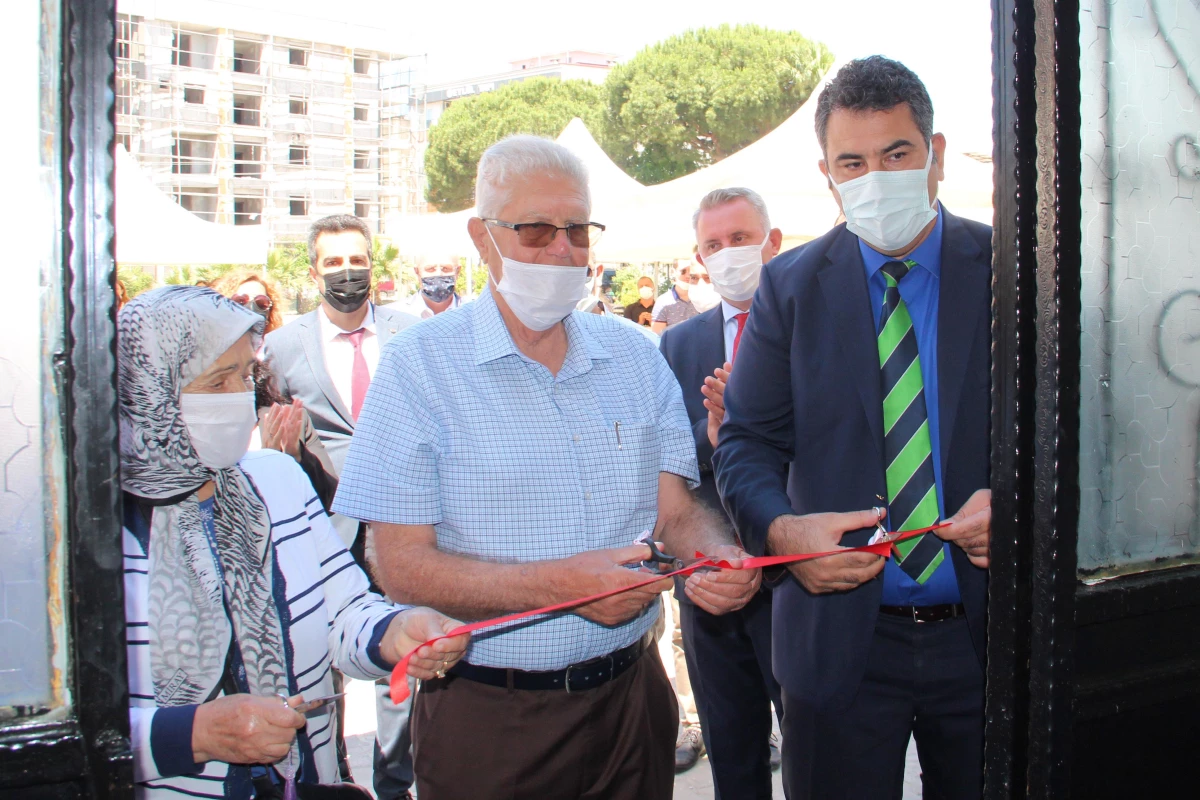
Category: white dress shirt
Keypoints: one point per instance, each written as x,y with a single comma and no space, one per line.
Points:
339,353
730,327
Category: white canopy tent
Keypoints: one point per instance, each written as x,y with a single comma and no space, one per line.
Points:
654,223
154,230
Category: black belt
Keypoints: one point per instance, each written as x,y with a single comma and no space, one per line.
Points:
925,613
575,678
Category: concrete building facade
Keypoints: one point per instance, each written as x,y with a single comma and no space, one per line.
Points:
250,120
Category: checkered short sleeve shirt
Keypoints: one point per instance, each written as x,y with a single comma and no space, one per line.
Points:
461,431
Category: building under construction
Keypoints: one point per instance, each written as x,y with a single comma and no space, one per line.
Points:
247,127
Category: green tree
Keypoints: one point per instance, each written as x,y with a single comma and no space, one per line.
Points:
135,280
385,264
191,275
541,106
288,266
696,98
624,285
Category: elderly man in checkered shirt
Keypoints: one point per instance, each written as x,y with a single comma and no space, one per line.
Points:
508,455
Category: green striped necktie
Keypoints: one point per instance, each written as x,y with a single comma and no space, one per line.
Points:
912,494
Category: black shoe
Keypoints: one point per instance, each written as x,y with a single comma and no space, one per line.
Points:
776,756
688,748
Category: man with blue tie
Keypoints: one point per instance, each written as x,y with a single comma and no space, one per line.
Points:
863,379
728,656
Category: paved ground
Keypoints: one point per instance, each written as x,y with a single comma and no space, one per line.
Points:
695,784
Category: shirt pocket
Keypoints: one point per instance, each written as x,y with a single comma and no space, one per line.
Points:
629,456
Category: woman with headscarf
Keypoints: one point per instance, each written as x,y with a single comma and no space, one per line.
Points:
239,595
283,424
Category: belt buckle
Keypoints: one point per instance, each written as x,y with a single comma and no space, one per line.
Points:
567,676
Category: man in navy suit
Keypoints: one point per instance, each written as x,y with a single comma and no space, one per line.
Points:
728,656
863,376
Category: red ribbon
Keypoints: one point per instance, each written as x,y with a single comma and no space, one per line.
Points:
399,679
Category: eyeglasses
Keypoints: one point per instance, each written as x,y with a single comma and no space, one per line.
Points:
541,234
261,301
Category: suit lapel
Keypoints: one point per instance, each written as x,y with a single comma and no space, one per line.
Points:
385,327
845,287
964,288
314,350
712,349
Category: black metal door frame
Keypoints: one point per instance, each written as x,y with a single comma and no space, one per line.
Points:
87,754
1092,690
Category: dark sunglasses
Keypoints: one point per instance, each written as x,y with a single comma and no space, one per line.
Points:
541,234
261,301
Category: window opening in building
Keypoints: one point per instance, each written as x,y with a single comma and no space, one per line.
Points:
297,57
298,207
247,162
246,56
193,94
246,109
298,106
181,49
247,210
298,154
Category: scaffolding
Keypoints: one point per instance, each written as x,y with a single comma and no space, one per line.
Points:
248,128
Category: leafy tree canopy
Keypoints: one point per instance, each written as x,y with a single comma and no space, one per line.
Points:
541,106
691,100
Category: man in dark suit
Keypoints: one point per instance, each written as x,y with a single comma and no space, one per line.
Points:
863,375
728,656
326,359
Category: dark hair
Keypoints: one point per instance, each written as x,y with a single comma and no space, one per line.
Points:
266,390
337,223
875,83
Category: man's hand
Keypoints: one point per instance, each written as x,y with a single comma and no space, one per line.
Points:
415,626
819,533
714,400
722,591
599,571
971,528
244,729
280,428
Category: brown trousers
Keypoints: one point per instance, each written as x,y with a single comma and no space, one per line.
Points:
472,741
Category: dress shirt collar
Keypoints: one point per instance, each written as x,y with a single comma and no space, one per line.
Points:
728,311
330,331
927,255
493,341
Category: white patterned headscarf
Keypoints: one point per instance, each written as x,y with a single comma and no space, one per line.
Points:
165,339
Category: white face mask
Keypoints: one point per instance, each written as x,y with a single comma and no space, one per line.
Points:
646,292
541,295
219,425
888,209
704,296
735,270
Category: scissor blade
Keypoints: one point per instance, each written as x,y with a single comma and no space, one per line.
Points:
308,706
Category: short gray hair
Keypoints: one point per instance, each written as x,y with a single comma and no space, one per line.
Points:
719,197
522,156
338,223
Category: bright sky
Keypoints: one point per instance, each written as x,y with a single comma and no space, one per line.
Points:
946,42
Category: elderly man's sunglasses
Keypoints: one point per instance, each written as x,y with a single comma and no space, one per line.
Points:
541,234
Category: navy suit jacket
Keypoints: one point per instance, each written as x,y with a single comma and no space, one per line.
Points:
694,350
806,393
